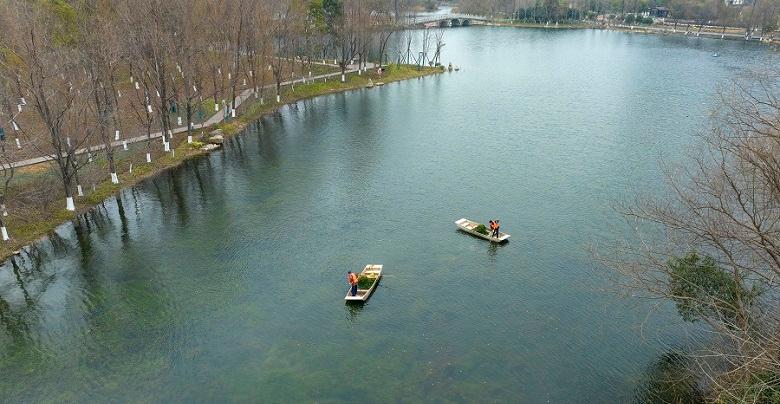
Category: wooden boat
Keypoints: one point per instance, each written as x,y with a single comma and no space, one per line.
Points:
469,227
371,271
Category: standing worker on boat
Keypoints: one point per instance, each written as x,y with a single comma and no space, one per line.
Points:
496,226
353,282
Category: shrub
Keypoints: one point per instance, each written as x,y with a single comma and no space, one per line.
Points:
701,288
481,229
197,145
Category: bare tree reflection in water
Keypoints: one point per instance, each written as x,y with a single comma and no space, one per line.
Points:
182,210
268,148
235,147
19,317
120,207
206,164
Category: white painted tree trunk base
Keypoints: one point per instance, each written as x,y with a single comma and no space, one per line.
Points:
343,78
278,98
18,145
167,146
79,190
189,139
131,168
5,233
114,178
116,135
148,157
124,145
69,204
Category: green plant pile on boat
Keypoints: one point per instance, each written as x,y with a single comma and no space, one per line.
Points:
365,282
481,229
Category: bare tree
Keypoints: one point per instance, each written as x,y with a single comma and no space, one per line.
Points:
40,54
101,56
283,38
719,261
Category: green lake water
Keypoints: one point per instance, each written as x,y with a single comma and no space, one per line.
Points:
223,280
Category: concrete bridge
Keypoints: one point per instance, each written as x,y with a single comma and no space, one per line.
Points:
445,20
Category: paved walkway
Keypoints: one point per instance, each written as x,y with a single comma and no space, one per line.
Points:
216,118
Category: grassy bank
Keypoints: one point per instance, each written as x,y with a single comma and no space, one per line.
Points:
250,112
37,201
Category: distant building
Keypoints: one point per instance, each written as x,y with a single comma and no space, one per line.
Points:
663,12
736,2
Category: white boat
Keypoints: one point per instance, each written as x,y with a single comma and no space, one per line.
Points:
470,227
371,271
380,83
370,84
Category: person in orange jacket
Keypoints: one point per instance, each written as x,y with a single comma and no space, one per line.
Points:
353,282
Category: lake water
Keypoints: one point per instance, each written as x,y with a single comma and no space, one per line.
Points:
224,279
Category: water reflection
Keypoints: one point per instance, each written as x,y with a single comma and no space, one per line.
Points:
120,207
493,248
268,149
669,380
352,311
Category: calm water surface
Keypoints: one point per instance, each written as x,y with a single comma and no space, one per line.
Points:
224,279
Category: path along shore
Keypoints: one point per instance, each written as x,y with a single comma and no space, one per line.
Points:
213,120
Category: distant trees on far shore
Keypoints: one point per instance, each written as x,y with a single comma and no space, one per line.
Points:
752,15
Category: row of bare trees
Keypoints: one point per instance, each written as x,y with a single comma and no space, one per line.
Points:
77,76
